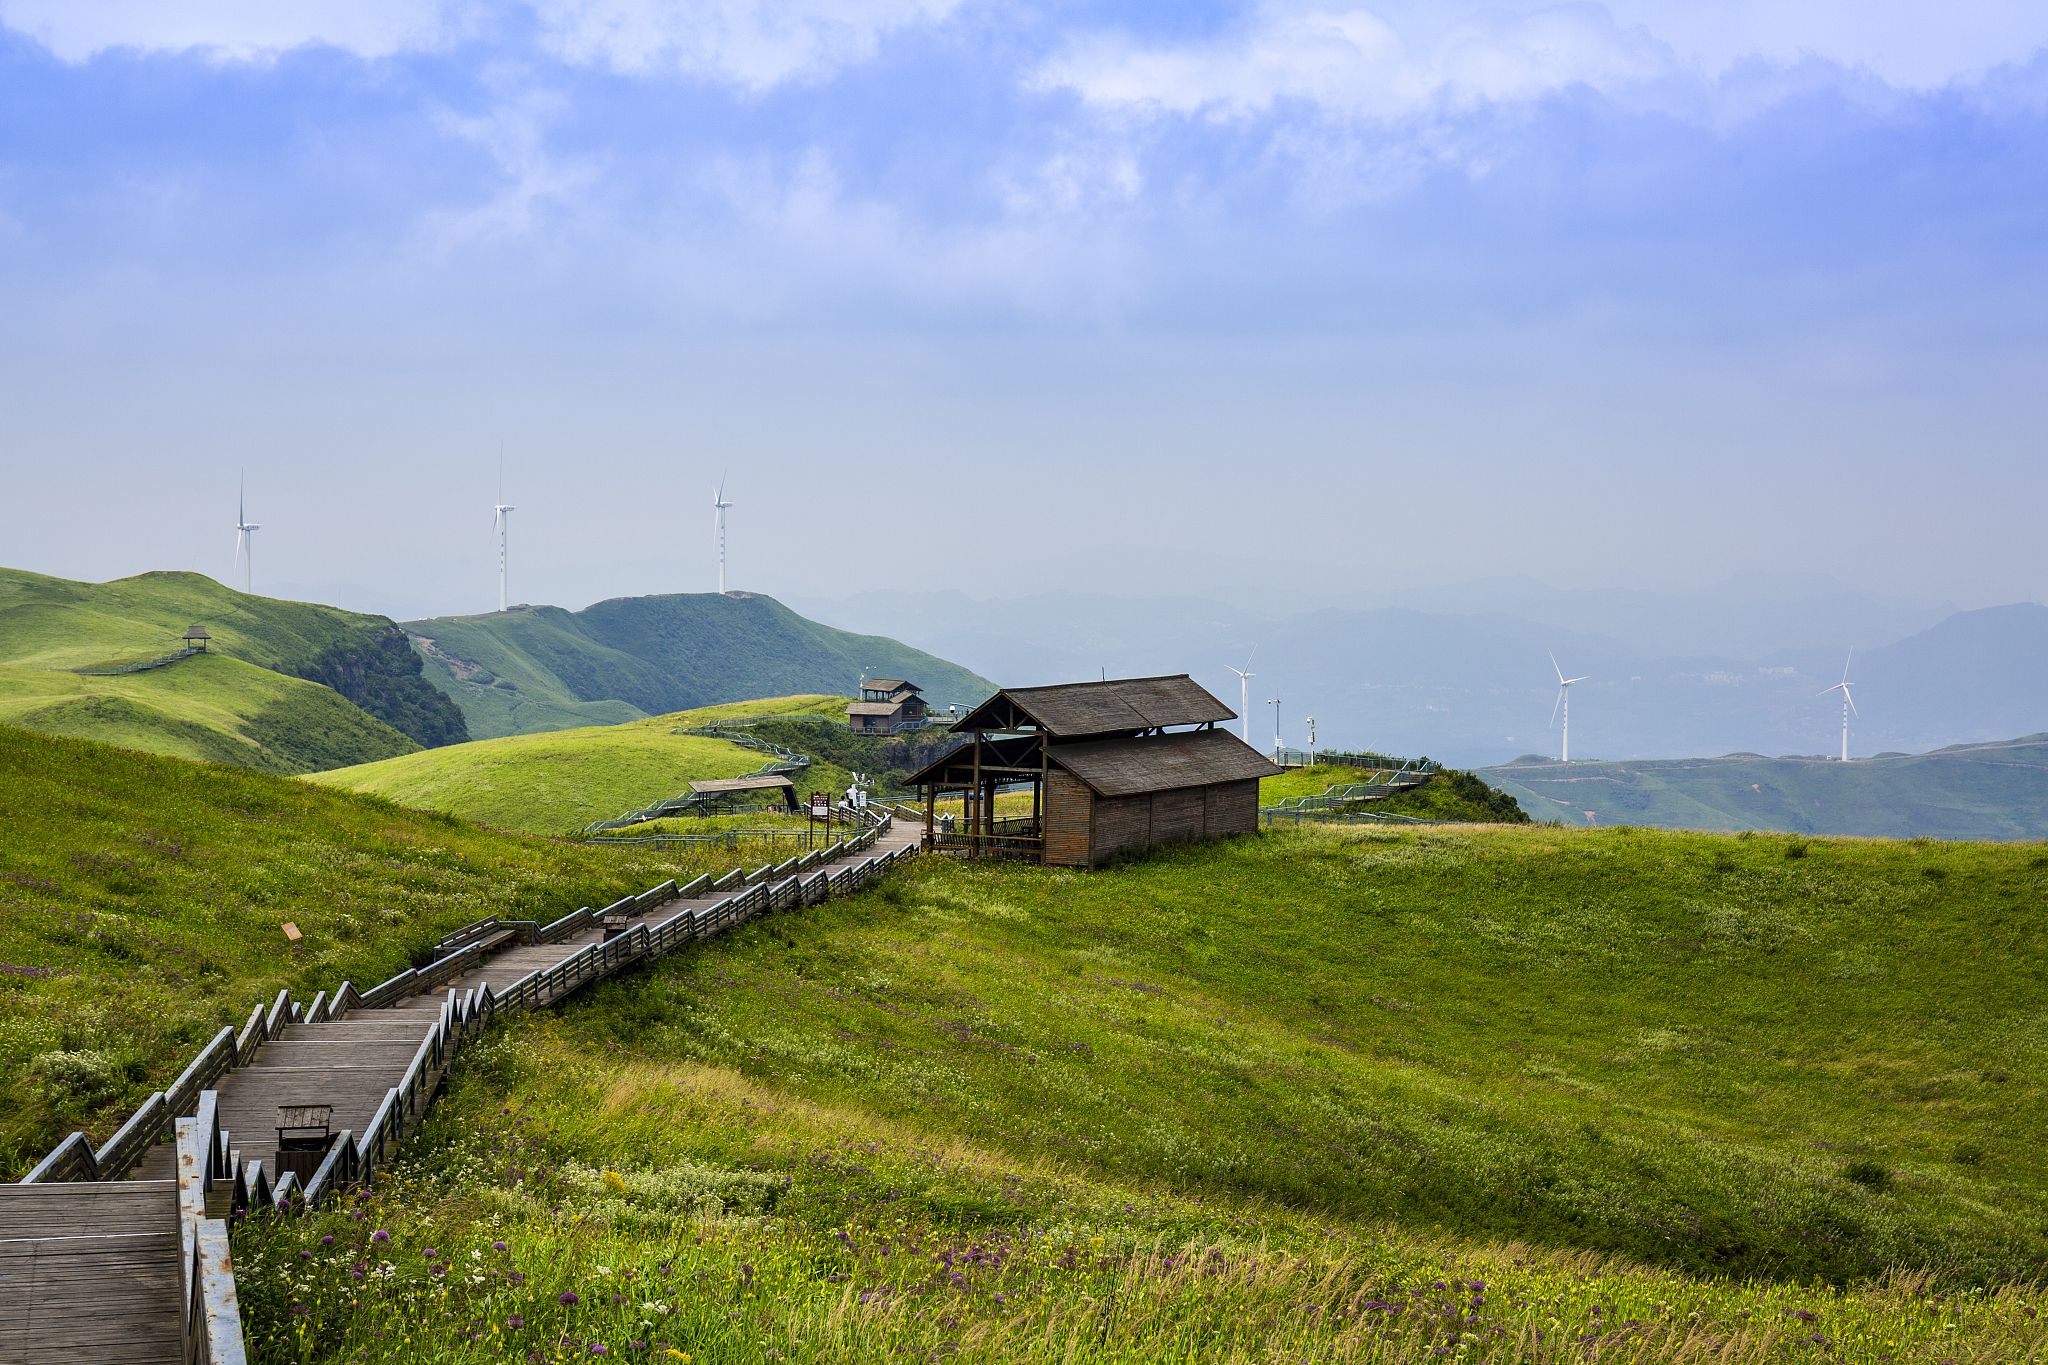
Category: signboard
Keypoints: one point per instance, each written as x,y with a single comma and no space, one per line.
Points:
821,805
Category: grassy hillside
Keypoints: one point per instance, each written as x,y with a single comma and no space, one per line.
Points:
560,781
1500,1094
1970,791
141,898
246,707
1450,796
540,668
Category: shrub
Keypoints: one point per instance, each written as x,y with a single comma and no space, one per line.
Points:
83,1074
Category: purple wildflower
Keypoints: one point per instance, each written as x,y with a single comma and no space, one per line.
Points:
380,1236
569,1299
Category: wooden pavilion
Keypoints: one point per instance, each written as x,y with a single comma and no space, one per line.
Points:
1110,766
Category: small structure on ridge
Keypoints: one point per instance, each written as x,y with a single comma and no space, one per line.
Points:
1109,766
195,638
886,705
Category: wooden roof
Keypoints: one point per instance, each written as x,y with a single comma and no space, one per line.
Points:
888,685
1151,763
197,633
1116,707
873,708
715,786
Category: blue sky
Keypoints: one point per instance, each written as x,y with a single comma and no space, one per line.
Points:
1641,291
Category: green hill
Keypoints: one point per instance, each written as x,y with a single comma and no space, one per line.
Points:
1324,1095
544,668
1970,791
1319,1095
141,898
287,686
559,781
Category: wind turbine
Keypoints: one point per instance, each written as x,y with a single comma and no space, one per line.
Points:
501,523
1848,703
245,530
1244,696
719,504
1564,704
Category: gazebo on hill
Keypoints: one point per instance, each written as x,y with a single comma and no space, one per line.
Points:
1108,768
195,638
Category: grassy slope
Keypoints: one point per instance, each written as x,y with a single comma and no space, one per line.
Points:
1450,796
1233,1101
1974,791
249,706
537,668
560,781
140,900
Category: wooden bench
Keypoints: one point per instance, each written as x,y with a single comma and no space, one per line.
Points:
304,1133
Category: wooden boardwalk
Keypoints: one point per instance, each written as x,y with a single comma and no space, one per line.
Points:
101,1273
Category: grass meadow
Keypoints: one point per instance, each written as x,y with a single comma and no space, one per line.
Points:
558,781
141,901
1323,1094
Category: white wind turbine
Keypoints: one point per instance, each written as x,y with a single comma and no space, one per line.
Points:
1848,703
245,531
1244,696
501,523
1564,704
719,504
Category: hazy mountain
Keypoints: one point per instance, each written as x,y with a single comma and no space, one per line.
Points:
544,668
1476,686
1981,791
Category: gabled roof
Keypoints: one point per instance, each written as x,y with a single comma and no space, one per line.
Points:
1118,706
1151,763
888,685
873,708
197,633
955,767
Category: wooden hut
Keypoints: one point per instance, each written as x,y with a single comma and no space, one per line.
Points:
729,791
886,705
1110,766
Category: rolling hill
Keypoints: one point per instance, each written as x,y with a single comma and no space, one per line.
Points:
286,686
558,781
1966,791
533,669
1315,1095
1482,1095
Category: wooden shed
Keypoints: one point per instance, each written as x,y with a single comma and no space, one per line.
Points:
886,706
1109,766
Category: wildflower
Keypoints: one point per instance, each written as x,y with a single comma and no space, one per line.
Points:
380,1236
568,1298
498,1246
516,1321
328,1240
597,1348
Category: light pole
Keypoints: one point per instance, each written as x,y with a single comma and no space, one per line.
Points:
1274,702
1311,741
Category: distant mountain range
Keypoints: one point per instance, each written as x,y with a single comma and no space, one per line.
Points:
533,669
1969,791
1467,678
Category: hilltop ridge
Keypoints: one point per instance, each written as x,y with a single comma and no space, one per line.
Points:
537,668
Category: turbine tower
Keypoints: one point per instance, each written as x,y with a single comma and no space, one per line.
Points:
1244,696
1848,703
719,504
501,522
245,531
1564,704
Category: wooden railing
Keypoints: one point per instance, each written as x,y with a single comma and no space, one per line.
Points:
210,1317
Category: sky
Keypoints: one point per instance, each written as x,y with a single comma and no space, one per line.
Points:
1142,296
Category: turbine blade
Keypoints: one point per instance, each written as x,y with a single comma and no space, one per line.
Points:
1845,665
1553,664
1554,705
1569,681
1850,697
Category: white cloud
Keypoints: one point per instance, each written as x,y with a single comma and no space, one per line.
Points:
234,30
1396,59
755,44
514,133
1348,60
